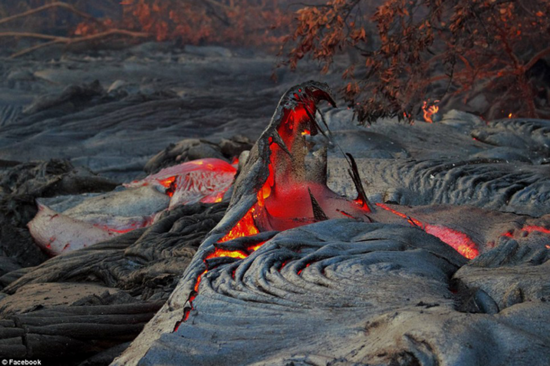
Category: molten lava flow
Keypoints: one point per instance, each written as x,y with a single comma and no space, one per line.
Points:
429,111
411,221
361,203
245,227
535,228
255,247
203,180
170,185
219,253
192,296
300,271
528,229
167,181
197,284
456,239
288,197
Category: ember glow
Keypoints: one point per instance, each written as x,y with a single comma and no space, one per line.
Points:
456,239
429,110
219,253
527,229
286,199
245,227
203,180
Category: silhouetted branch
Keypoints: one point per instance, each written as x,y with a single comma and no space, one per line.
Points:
49,6
69,40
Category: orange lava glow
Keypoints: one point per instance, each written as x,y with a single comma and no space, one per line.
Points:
199,278
535,228
361,203
400,214
245,227
168,183
300,271
454,238
219,253
528,229
429,111
255,247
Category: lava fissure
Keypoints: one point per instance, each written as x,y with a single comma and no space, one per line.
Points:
526,229
291,193
459,241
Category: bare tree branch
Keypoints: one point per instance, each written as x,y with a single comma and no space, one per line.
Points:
34,35
537,57
49,6
71,41
33,48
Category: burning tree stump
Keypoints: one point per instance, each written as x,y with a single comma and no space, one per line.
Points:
296,274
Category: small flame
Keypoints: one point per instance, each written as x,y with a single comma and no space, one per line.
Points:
430,110
510,115
306,132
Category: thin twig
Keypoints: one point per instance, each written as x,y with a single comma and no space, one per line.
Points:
34,48
49,6
35,35
121,32
537,57
70,41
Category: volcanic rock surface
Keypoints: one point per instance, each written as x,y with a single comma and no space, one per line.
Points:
360,290
337,291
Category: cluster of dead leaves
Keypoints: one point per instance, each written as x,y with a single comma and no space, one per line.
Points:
407,51
243,23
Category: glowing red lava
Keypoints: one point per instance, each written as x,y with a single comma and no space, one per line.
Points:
527,229
204,180
245,227
168,183
286,198
219,253
454,238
